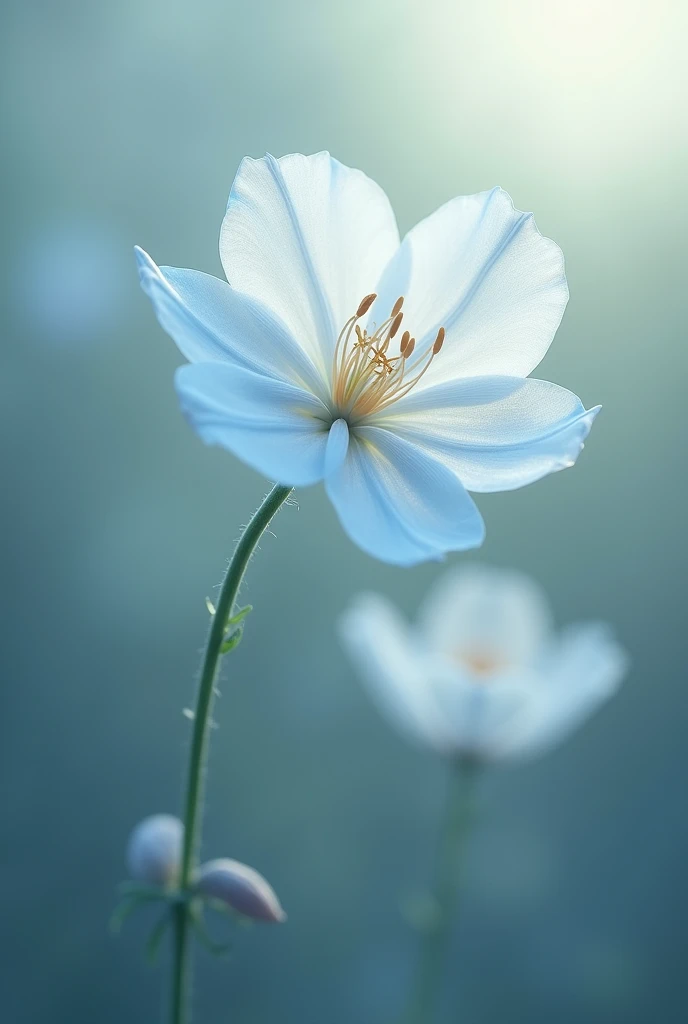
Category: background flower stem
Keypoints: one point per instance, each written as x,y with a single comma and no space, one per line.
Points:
193,802
458,817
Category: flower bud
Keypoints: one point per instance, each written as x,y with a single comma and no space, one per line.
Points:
154,850
241,888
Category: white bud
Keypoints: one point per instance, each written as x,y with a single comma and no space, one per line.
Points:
154,850
241,888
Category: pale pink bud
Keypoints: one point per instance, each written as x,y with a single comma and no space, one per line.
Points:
241,888
154,850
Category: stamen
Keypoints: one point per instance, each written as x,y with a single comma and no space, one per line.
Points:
365,304
396,324
365,378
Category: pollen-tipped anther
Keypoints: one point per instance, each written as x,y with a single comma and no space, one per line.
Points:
396,324
365,304
439,341
366,377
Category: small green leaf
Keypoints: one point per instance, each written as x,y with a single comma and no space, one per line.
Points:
122,912
232,640
134,895
241,614
156,937
235,629
220,949
220,907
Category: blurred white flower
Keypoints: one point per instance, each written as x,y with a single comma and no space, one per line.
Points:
482,673
154,850
241,888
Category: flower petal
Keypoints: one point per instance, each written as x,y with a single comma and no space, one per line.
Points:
337,446
584,671
482,270
393,670
398,503
496,433
273,426
502,615
478,715
309,237
210,321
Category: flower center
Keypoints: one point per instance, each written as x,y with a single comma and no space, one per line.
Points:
479,661
365,378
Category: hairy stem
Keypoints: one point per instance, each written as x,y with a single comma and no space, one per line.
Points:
198,753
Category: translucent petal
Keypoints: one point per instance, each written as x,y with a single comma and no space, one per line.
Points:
337,446
482,270
583,671
476,612
273,426
393,670
308,237
479,714
398,503
209,321
496,433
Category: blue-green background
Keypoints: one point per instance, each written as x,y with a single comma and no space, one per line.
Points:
123,123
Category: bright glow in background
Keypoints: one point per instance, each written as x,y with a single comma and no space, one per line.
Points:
124,123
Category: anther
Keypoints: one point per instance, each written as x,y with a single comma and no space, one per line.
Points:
405,338
439,341
396,323
397,305
365,304
409,348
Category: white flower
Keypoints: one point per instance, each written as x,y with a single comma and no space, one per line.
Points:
397,373
482,673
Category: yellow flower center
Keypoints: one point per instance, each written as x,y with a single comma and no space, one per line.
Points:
366,379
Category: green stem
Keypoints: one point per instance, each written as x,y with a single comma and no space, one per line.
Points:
193,802
445,891
180,962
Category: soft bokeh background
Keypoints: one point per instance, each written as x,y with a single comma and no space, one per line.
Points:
124,123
